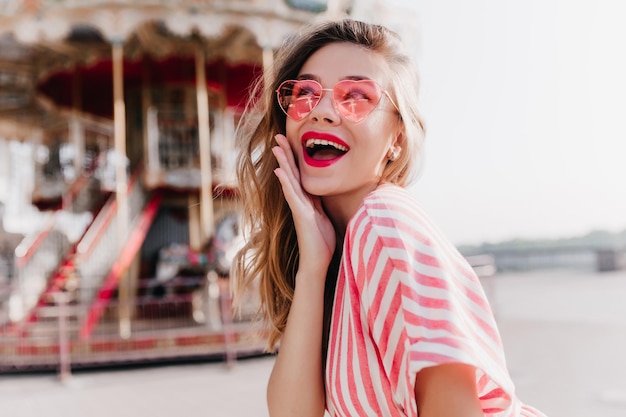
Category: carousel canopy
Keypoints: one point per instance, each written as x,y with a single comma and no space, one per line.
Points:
57,53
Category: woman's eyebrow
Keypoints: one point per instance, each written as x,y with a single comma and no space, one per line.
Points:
308,77
356,77
347,77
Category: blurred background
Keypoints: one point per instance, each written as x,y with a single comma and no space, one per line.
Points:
524,104
119,215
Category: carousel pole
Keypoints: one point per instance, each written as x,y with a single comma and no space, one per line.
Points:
204,137
146,103
76,128
121,178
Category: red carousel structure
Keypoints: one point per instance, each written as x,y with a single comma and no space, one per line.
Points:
119,214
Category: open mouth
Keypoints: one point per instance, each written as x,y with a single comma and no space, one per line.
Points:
324,150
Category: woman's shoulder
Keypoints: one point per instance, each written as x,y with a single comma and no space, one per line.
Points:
390,210
389,206
389,200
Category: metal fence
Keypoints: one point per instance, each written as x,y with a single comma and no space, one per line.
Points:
186,317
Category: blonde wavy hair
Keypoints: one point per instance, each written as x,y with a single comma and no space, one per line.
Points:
270,256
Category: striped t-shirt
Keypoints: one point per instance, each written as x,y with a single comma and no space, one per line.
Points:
405,300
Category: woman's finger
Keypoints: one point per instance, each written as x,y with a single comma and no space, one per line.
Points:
295,196
282,141
283,163
292,177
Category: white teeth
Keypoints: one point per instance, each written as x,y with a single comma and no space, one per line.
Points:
310,143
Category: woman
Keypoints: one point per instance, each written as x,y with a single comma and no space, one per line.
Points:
376,313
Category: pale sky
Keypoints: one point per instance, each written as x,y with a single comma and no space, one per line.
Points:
525,108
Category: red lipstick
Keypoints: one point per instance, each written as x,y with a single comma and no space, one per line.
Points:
332,139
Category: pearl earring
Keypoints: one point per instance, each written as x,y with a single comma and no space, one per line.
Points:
393,155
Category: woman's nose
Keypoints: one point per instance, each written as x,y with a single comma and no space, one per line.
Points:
325,109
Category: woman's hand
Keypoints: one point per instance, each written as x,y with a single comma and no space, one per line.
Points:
316,235
296,385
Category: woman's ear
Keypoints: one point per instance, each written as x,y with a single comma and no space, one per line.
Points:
398,143
395,147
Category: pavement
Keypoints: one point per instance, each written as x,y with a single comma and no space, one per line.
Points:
564,334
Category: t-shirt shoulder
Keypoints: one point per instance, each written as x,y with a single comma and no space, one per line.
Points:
421,299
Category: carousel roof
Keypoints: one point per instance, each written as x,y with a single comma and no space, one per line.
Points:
44,44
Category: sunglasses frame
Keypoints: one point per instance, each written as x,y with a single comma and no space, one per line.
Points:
337,107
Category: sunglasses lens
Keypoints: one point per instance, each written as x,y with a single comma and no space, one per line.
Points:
356,99
298,98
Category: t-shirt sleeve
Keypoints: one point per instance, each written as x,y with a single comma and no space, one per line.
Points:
424,305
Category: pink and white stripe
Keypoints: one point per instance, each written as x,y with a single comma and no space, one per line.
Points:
405,300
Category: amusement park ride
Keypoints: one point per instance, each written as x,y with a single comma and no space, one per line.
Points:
118,211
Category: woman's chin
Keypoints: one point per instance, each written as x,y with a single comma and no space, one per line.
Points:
317,187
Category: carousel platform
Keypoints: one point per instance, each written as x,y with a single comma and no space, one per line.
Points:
36,352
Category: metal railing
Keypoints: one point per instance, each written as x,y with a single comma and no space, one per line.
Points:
41,253
102,243
173,147
76,153
186,317
36,258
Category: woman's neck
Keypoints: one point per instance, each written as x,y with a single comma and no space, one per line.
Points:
341,208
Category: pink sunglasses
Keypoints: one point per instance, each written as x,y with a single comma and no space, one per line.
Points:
353,99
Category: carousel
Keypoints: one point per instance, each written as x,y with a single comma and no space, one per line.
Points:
118,213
